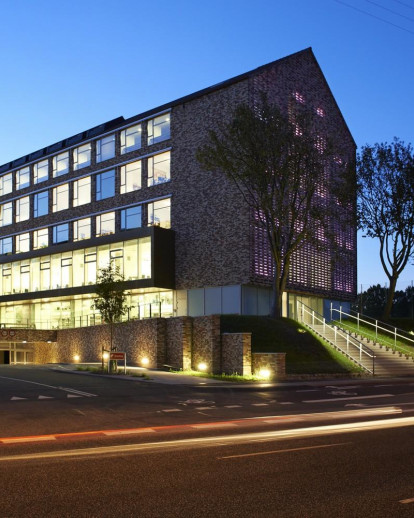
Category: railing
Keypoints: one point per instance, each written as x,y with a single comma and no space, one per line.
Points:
378,328
341,340
140,312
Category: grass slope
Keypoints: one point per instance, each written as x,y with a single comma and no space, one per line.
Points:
305,353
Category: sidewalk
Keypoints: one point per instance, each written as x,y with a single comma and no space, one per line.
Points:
171,378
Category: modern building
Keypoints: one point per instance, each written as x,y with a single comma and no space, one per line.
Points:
131,191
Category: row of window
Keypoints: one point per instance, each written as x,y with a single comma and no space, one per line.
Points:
158,213
77,267
130,176
158,129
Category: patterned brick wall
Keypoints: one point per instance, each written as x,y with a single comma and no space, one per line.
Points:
207,343
274,362
179,332
236,353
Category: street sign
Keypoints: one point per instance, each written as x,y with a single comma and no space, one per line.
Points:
117,356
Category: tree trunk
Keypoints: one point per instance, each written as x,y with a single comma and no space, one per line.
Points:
277,294
388,306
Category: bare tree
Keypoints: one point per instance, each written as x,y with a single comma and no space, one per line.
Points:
282,166
386,206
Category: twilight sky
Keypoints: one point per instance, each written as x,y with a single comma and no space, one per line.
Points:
70,65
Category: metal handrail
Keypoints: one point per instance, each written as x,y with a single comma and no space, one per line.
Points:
350,341
395,332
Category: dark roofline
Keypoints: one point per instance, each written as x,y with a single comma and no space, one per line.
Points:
121,121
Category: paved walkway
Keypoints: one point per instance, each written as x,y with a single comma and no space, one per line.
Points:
171,378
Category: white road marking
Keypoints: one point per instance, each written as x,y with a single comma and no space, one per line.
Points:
73,395
309,390
232,406
347,398
407,501
74,391
45,397
260,404
286,403
172,410
15,398
283,451
205,408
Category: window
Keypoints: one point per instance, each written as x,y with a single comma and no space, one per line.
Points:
41,204
131,218
105,148
60,196
82,229
105,224
131,177
159,213
6,245
23,209
82,156
60,164
22,243
130,139
105,185
41,238
6,214
41,171
6,184
159,129
23,178
82,191
159,168
61,233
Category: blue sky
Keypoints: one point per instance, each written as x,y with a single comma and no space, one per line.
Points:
68,66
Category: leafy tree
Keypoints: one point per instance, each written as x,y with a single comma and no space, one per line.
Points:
111,298
281,166
386,206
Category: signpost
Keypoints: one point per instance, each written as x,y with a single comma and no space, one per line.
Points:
118,355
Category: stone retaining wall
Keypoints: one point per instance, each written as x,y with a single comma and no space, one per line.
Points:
274,362
236,353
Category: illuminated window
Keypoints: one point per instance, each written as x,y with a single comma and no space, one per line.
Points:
6,214
61,233
60,197
41,204
22,243
105,185
41,171
105,224
82,191
159,213
22,209
159,168
159,129
60,164
23,178
299,97
6,184
105,148
6,245
131,218
131,177
41,238
82,156
82,229
130,139
320,112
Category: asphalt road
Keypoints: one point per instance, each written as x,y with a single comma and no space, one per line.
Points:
42,401
318,473
89,446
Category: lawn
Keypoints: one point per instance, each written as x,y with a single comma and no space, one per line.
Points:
305,353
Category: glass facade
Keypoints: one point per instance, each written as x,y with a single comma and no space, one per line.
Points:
82,156
41,204
82,191
159,213
41,171
61,164
6,184
105,148
130,139
130,176
159,168
105,185
159,129
57,271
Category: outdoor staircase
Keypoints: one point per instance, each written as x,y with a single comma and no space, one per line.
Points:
387,362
